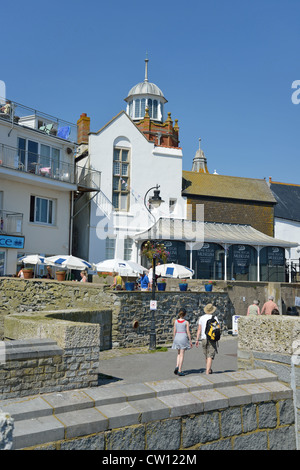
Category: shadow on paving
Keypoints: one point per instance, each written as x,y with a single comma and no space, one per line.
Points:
145,366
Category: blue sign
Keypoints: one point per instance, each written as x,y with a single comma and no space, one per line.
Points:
9,241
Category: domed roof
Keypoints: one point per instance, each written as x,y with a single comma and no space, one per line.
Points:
146,88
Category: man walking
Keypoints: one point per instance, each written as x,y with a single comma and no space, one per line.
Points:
209,347
269,306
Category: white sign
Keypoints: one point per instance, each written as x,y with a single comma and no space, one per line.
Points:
235,324
153,304
297,301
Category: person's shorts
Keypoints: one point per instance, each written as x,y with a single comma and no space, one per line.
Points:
209,348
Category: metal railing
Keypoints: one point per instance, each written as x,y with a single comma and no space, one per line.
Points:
22,160
18,114
88,178
36,164
11,222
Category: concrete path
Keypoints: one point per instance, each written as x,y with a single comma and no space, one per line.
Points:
139,365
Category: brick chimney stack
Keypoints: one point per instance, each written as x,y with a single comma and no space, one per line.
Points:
83,129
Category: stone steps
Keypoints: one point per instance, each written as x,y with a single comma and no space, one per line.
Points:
65,415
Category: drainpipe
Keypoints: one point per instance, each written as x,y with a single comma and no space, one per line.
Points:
71,223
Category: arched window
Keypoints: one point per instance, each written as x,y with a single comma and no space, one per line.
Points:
130,109
150,107
143,107
155,107
137,106
121,174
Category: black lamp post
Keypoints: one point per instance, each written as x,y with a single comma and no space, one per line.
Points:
155,202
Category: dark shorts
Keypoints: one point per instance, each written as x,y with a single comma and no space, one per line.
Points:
209,348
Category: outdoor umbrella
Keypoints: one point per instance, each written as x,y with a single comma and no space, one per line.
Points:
32,259
68,262
120,266
173,270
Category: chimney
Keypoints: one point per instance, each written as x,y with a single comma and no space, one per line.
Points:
83,129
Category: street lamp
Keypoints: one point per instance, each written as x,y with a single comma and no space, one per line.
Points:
155,202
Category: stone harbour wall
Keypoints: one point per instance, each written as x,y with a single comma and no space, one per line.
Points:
132,322
273,343
35,366
251,410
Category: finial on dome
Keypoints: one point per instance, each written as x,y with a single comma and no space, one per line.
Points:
146,67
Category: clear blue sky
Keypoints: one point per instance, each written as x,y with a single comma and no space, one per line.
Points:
226,68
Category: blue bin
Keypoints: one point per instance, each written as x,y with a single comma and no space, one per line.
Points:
129,285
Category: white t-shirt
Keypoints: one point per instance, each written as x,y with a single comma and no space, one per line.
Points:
202,321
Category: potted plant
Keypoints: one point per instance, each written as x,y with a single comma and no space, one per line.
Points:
208,286
60,275
154,250
28,273
161,284
183,285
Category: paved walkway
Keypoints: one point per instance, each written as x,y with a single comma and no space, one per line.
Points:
136,365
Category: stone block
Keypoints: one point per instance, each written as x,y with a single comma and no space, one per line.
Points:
82,422
26,408
119,414
200,429
212,399
182,404
151,409
34,431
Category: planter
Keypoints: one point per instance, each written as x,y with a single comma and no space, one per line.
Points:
208,287
161,286
183,286
60,275
28,273
129,286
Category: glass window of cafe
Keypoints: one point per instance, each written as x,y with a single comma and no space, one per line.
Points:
242,263
208,262
272,264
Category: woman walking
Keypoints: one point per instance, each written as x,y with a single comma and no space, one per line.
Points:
181,339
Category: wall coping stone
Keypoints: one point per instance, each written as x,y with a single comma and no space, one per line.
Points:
56,416
27,349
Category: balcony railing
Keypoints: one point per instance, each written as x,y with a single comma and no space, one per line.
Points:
29,162
19,114
11,222
88,179
20,160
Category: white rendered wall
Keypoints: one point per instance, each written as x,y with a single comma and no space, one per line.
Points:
149,166
290,231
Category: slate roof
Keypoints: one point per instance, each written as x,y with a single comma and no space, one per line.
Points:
288,200
229,187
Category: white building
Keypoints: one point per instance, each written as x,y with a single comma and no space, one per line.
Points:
134,152
287,218
37,183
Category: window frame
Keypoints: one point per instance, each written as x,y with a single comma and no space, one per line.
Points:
36,207
121,179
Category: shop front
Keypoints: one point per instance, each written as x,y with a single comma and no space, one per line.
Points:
9,247
226,252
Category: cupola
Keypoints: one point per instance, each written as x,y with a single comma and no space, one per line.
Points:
145,96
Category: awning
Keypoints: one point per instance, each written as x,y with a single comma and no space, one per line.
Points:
192,231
